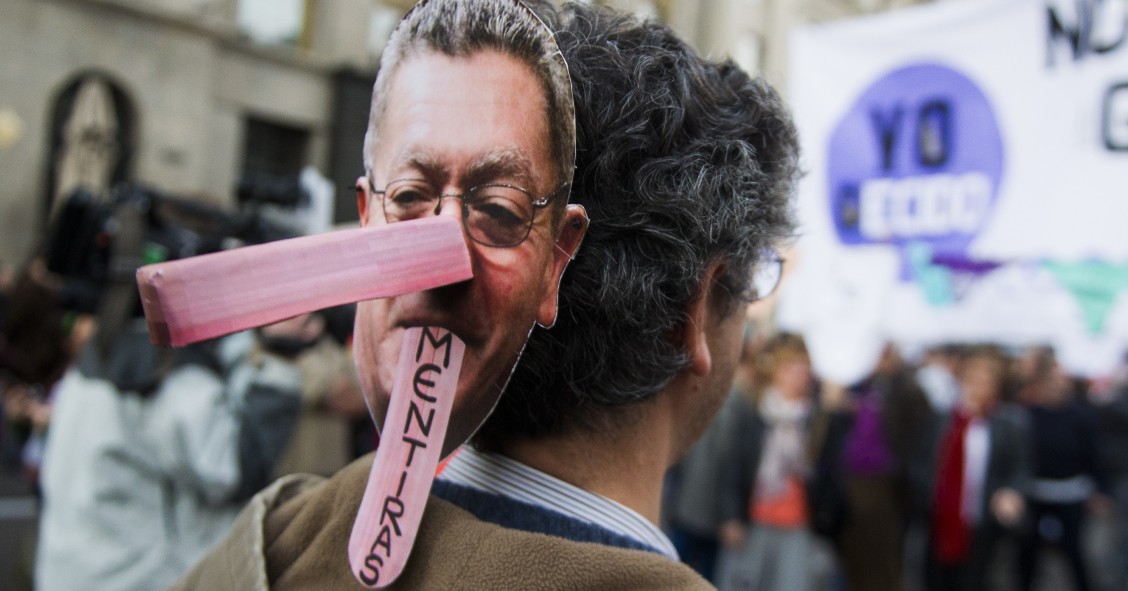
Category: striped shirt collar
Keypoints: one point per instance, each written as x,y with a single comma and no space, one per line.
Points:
497,474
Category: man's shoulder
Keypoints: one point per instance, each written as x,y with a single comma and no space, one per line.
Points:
455,549
239,560
287,528
295,535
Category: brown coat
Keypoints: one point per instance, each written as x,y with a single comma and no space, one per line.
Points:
295,533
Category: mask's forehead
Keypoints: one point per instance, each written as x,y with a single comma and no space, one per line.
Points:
460,27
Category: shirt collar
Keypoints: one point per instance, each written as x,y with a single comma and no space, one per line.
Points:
497,474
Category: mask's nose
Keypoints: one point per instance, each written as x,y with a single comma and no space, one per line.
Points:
449,205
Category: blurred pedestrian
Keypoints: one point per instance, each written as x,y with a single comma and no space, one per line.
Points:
982,469
34,345
1112,422
150,456
151,452
878,434
765,533
1067,471
39,339
330,395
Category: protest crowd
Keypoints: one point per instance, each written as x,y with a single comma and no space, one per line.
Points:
972,467
797,484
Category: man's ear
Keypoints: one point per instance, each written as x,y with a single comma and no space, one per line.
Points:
574,226
363,196
702,315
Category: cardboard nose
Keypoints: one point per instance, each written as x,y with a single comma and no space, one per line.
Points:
211,295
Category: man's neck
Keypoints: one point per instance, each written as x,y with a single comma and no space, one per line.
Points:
627,468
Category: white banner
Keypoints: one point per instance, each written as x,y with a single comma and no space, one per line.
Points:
967,181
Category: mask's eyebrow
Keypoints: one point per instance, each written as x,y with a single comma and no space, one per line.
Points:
422,159
504,164
507,164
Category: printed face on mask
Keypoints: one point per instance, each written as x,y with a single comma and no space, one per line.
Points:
468,137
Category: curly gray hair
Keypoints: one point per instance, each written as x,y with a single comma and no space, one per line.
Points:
681,162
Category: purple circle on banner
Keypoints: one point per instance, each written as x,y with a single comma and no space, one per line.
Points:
918,158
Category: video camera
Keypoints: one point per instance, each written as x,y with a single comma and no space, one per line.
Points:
95,242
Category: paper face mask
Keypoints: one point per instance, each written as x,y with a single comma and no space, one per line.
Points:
468,157
473,120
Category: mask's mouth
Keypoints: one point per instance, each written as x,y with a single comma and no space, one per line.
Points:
411,444
445,307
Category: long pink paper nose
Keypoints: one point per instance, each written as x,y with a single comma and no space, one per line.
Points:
212,295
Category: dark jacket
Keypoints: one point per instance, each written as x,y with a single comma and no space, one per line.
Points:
745,432
692,500
1112,421
1008,458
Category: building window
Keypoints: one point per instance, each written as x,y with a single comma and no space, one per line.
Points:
272,22
273,149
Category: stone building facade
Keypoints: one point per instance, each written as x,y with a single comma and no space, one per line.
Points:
185,96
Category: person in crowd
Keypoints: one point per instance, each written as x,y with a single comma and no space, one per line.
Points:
763,497
1068,475
877,434
322,439
36,343
1112,423
151,452
982,471
39,339
686,169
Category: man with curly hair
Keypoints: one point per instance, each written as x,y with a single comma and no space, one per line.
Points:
685,168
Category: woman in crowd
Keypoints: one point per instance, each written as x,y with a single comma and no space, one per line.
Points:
763,498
